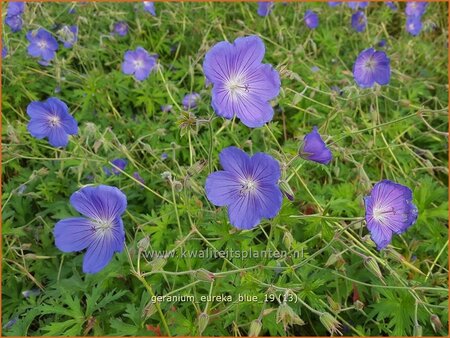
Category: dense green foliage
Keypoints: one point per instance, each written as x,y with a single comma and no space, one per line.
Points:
395,132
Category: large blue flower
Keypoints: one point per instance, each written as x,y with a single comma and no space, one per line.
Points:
248,186
101,231
389,210
51,119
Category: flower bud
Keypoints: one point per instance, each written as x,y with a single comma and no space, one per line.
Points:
158,263
288,239
255,328
417,331
287,190
330,323
335,307
149,310
372,265
436,323
144,243
287,315
203,320
358,305
204,275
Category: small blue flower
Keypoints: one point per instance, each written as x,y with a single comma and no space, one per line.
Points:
15,8
415,8
311,19
190,100
382,43
164,156
359,21
51,119
413,25
315,149
334,3
264,8
14,22
150,7
166,108
121,28
119,163
357,4
68,35
391,5
101,231
42,44
372,67
138,63
138,177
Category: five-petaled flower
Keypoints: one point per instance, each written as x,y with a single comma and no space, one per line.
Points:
311,19
359,21
51,119
315,149
242,85
42,44
372,67
138,63
101,231
389,211
121,28
248,186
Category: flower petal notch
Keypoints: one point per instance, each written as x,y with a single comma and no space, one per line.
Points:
51,119
389,211
314,148
248,186
101,231
242,84
372,67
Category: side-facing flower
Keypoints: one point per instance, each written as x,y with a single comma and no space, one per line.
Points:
14,22
68,35
315,149
311,19
149,6
117,162
138,63
248,186
191,100
389,211
51,119
413,25
372,67
264,8
42,44
359,21
121,28
242,84
101,231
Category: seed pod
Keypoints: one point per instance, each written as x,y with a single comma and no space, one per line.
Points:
330,323
255,328
203,320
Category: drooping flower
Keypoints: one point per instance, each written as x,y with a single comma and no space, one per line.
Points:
413,25
42,44
415,8
311,19
357,4
359,21
138,63
149,6
389,211
248,186
391,5
119,163
264,8
15,8
101,231
121,28
68,35
334,3
242,84
191,100
315,149
14,22
372,67
51,119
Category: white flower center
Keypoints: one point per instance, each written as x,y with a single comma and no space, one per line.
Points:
54,121
236,86
102,227
248,186
42,44
381,214
138,64
370,64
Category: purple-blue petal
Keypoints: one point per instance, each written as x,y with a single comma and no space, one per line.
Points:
73,234
222,188
315,149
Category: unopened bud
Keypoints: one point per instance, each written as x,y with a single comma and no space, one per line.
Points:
358,305
203,320
288,239
149,310
372,265
335,307
204,275
158,263
287,190
287,316
255,328
436,323
417,331
144,243
330,323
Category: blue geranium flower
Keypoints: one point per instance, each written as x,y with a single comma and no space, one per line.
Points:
311,19
315,149
42,44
